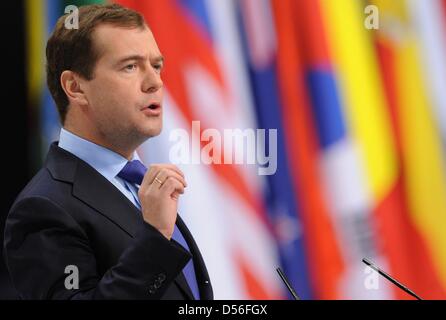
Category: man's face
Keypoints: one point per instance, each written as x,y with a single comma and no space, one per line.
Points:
126,92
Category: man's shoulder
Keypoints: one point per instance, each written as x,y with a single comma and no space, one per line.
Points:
54,180
43,186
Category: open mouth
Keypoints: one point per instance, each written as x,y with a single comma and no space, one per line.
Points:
152,109
153,106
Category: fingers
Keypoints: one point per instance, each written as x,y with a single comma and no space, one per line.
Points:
162,172
158,175
172,187
176,169
158,167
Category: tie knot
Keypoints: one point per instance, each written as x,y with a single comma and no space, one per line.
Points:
133,172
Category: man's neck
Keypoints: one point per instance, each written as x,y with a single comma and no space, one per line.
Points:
124,152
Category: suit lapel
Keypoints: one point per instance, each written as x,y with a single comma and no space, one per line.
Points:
92,188
181,282
201,273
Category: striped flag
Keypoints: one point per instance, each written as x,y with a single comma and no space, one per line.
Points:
418,258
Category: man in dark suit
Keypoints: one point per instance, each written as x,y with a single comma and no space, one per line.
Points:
94,223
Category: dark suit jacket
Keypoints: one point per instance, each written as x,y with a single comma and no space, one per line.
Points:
69,214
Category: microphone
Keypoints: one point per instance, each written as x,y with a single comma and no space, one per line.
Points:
287,283
394,281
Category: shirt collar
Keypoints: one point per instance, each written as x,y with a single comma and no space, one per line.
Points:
107,162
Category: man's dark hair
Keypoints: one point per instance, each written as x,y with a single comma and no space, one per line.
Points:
73,49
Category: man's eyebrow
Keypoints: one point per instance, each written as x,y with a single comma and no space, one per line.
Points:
159,59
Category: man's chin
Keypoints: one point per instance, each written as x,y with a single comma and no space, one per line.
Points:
153,131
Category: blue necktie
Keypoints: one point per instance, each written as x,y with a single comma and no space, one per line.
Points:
134,172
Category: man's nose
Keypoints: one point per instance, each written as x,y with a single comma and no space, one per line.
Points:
152,81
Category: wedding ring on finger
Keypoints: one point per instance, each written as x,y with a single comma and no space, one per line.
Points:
159,181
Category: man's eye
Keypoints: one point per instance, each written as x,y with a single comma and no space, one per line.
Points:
158,67
130,67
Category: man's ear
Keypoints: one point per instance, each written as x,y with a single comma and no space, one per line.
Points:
71,84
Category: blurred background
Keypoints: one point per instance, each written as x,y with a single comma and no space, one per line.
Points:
361,119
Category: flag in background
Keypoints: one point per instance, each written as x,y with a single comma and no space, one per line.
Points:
417,256
361,123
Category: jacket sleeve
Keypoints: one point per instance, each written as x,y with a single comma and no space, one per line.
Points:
42,240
